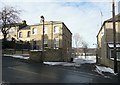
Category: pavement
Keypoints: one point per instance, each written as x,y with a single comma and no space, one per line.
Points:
23,71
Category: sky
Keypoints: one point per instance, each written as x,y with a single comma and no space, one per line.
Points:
80,16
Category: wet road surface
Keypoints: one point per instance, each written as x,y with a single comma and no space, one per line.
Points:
18,71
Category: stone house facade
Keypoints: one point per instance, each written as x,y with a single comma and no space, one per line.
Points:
105,43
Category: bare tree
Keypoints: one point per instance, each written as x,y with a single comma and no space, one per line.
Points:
77,41
8,17
85,47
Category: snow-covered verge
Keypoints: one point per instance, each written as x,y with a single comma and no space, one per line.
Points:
76,61
62,63
101,69
83,59
17,56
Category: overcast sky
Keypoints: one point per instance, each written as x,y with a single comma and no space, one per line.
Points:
80,16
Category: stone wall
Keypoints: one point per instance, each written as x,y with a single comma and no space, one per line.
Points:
36,56
49,55
39,56
12,51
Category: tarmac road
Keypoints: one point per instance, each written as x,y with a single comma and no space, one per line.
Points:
18,71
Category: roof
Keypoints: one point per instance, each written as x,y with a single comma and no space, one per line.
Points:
52,22
25,27
117,19
47,23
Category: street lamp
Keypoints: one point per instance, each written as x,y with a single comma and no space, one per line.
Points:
42,19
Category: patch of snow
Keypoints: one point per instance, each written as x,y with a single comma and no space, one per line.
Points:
83,59
54,63
17,56
72,64
101,69
76,61
35,50
62,63
68,64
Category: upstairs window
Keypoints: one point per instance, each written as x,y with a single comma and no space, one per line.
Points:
56,29
34,31
56,42
46,30
28,34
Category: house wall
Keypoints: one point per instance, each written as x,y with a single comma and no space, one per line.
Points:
64,35
24,35
103,40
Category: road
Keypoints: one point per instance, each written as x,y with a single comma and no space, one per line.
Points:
18,71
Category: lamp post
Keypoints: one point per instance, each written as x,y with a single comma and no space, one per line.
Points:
42,19
114,36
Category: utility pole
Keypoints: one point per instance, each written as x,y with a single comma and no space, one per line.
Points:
114,36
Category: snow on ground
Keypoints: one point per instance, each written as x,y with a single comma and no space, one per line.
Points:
62,63
101,69
54,63
83,59
76,61
17,56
